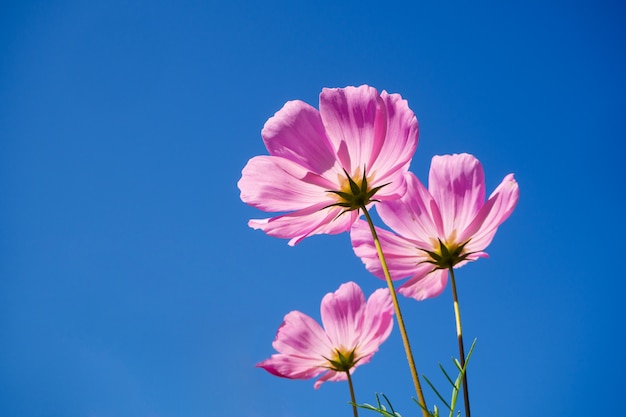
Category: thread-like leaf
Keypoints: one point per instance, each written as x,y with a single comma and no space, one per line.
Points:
436,392
446,375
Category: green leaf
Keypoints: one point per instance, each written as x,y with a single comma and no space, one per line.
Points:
381,409
457,364
446,375
435,391
435,413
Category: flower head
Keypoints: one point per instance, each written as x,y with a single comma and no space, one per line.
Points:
323,165
440,228
353,331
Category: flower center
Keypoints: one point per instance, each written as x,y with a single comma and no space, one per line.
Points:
447,255
342,360
353,195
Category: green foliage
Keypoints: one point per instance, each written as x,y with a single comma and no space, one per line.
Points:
456,384
388,410
380,408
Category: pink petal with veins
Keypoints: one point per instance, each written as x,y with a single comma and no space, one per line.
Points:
278,184
341,312
310,221
496,210
377,323
415,215
396,151
457,183
355,121
423,284
296,132
401,254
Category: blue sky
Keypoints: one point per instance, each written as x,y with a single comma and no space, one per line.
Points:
130,284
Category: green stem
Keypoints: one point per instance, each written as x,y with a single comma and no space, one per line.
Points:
352,397
459,336
396,305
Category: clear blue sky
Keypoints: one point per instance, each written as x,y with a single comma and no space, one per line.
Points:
130,284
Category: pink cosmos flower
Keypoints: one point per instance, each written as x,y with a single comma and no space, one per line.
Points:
445,226
353,331
354,151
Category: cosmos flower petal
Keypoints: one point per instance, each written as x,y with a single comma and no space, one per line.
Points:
377,322
402,255
300,335
496,210
291,366
278,184
457,183
415,215
332,376
302,223
355,121
396,151
296,133
341,313
425,284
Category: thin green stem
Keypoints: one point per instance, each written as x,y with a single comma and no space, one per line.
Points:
459,337
396,305
352,397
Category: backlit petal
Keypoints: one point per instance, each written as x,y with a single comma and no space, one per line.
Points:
278,184
457,183
425,285
296,132
415,215
289,366
397,149
341,313
355,122
302,336
402,255
495,211
332,376
377,323
311,221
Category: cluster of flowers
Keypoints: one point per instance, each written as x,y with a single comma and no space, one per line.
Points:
326,169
